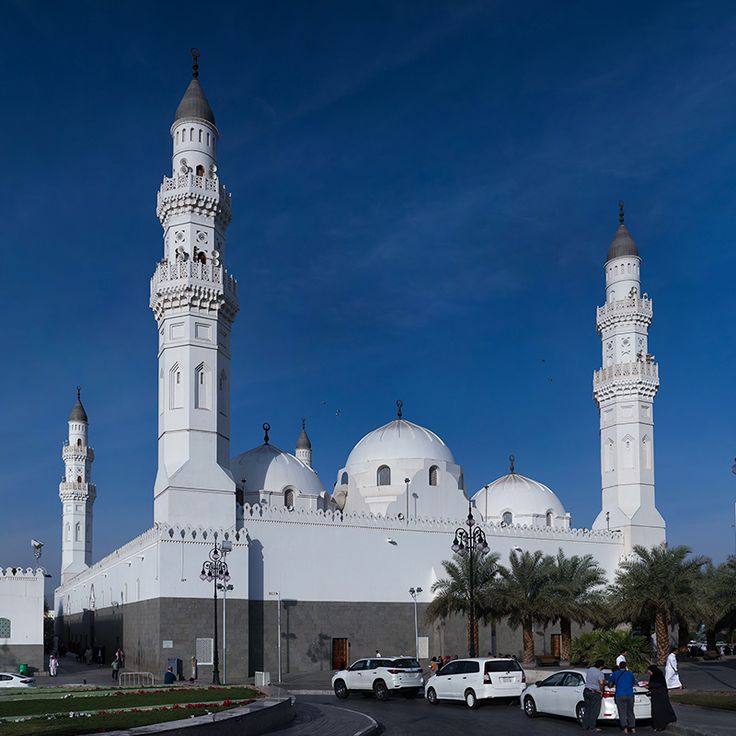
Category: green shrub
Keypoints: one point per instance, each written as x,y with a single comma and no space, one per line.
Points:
608,644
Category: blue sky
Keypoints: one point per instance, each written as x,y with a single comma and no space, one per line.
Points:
423,197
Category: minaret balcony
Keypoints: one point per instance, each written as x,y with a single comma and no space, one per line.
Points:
76,452
189,193
633,309
621,379
73,491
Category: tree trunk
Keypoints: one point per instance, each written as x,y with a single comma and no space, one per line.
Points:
683,635
474,633
527,633
565,639
710,639
663,637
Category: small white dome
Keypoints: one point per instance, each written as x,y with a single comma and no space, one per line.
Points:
399,440
525,499
266,468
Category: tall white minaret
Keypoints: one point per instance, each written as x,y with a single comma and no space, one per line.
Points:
77,494
304,446
624,389
194,301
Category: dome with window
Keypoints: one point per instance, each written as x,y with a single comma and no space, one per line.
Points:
267,474
401,469
516,499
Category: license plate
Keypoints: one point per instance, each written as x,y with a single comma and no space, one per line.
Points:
506,679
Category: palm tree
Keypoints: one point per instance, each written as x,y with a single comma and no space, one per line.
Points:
573,595
452,594
716,599
658,583
522,594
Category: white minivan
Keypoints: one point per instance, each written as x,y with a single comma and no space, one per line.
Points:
473,680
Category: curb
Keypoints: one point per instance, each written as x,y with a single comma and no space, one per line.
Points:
372,726
312,692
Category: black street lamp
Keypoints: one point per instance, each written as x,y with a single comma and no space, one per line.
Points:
214,570
468,540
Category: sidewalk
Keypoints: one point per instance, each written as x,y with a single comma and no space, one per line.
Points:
695,721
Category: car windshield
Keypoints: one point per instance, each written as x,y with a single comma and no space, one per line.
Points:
406,663
503,665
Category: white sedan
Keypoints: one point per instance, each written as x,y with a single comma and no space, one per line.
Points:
562,694
13,679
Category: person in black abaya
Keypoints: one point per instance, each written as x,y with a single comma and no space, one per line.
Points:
662,712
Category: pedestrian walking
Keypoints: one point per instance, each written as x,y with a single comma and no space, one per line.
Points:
624,682
169,677
592,695
53,665
115,668
671,673
662,712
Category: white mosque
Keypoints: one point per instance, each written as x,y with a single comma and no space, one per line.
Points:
333,567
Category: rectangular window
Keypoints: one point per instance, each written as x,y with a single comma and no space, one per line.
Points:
204,650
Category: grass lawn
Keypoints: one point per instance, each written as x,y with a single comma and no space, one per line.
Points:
726,701
96,724
121,699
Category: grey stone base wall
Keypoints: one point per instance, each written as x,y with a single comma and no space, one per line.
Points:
308,633
12,655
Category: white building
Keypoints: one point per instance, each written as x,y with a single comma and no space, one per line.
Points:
339,564
21,618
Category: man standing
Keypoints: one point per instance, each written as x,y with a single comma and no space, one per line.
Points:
621,657
624,682
592,695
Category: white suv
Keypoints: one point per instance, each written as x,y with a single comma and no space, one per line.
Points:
381,676
473,680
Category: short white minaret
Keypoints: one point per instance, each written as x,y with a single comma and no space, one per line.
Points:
304,446
194,301
77,494
624,389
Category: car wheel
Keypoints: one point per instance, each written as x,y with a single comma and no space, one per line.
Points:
530,707
432,698
470,700
580,713
380,690
341,689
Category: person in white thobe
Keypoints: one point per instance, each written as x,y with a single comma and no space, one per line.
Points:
671,675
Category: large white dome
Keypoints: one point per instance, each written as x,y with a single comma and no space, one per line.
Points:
399,440
266,468
527,501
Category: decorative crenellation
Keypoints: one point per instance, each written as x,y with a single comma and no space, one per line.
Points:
624,379
281,514
633,310
87,490
79,453
192,194
19,573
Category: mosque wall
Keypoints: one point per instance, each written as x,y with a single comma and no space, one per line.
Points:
21,617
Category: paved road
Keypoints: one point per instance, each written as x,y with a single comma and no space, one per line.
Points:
401,717
699,675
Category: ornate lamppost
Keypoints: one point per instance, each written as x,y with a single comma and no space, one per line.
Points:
214,570
470,540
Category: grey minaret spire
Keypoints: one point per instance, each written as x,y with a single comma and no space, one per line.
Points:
624,389
304,446
77,494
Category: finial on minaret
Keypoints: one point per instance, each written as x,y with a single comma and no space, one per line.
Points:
399,408
195,62
304,423
621,211
512,464
79,393
266,430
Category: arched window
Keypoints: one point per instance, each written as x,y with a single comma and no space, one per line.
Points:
289,498
202,387
384,476
200,168
434,474
507,518
176,392
79,479
344,479
77,532
461,482
550,518
4,628
646,447
68,532
79,442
